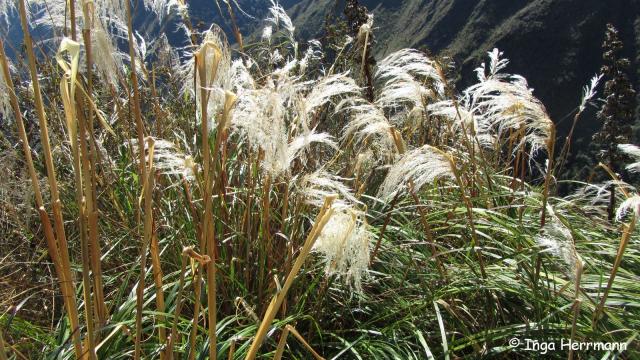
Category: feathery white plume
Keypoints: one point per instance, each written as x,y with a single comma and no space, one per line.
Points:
367,121
421,166
107,59
280,20
632,203
408,64
459,114
328,88
216,56
267,32
297,145
634,152
596,196
216,48
260,116
589,91
345,245
496,64
503,102
168,159
313,52
556,238
319,184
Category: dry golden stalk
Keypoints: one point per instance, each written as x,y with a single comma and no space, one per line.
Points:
281,344
304,342
147,193
232,349
265,260
387,219
157,280
323,217
234,25
207,236
67,92
136,93
397,140
207,188
89,169
428,232
202,259
72,16
626,235
547,180
57,248
46,147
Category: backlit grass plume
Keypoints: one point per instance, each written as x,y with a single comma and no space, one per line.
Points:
557,239
634,152
168,159
319,184
503,103
630,205
345,245
417,168
367,124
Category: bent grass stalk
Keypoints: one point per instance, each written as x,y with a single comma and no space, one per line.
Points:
89,168
51,176
295,333
63,272
283,341
68,94
208,232
321,220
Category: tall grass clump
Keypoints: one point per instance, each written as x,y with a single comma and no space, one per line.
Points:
210,200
